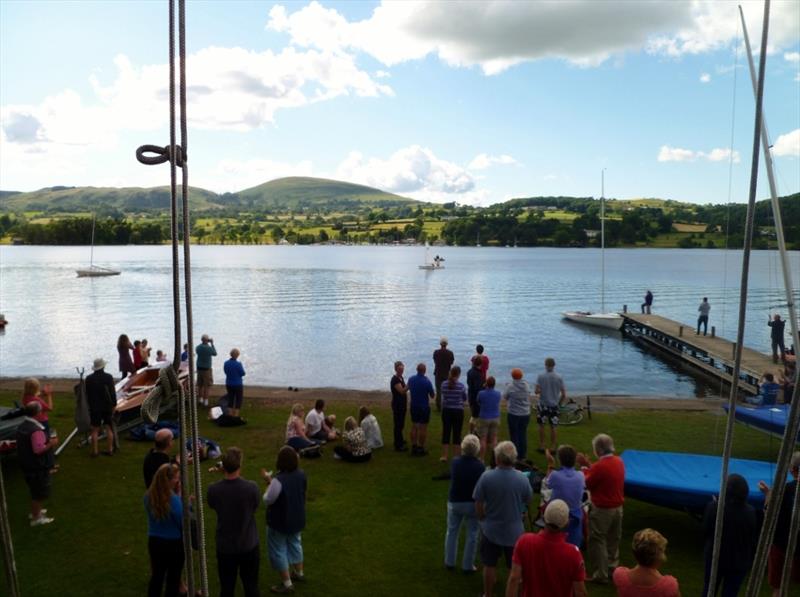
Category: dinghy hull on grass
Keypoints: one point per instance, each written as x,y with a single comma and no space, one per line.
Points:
611,321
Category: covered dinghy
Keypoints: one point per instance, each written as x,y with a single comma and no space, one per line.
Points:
771,419
687,481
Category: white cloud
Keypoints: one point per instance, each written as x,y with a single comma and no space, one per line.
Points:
482,161
792,56
705,78
409,170
678,154
497,35
788,144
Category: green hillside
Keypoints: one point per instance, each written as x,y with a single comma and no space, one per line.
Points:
296,192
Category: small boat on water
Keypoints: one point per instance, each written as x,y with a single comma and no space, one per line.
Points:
612,321
429,264
95,271
132,390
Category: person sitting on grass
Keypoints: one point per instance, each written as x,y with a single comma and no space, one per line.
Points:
489,415
158,455
318,426
285,499
296,430
465,470
767,392
164,509
568,485
372,430
649,550
355,448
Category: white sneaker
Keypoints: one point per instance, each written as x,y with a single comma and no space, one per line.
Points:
41,520
43,511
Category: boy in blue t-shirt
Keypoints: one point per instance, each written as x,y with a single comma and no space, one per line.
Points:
421,390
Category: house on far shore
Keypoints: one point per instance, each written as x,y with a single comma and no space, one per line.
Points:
591,233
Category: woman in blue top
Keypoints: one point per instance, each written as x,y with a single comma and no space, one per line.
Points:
165,531
454,396
234,372
568,484
489,419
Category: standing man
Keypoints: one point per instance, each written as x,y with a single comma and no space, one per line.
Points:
205,378
648,302
102,398
475,381
605,481
235,500
777,336
35,458
158,455
485,361
551,392
443,359
234,384
704,308
421,390
544,563
399,399
501,496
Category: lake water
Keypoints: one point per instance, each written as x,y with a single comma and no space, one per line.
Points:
340,316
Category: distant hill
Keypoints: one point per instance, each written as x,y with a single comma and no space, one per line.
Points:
284,194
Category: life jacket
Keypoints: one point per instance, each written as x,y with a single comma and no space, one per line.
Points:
28,460
288,514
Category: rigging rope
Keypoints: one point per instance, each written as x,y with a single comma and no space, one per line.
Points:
9,563
748,240
187,405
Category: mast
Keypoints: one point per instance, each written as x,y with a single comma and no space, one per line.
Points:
603,240
91,251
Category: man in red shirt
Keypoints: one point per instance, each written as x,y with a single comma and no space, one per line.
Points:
544,563
605,480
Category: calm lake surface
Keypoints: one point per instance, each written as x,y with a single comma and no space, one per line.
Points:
340,316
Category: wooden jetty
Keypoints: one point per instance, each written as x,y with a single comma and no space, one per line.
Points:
710,354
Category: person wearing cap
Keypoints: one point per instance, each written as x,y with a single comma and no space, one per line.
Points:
102,398
544,564
518,394
443,359
551,392
501,495
205,378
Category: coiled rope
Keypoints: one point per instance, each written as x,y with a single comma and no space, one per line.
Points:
177,157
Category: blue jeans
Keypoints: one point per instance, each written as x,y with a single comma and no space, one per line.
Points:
283,549
575,531
458,512
518,430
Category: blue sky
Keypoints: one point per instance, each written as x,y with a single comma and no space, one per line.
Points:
474,102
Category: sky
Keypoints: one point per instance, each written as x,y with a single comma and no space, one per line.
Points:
473,102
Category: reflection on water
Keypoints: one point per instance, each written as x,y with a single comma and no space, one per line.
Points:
340,316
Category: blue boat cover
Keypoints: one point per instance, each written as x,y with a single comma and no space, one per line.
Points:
771,419
687,481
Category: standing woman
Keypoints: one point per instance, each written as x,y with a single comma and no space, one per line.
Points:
518,394
234,372
137,355
164,531
454,396
32,393
285,499
124,348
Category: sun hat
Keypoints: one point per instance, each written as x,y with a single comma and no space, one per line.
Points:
98,364
557,514
516,373
443,340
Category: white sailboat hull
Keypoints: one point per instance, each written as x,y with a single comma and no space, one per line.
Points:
611,321
430,266
96,271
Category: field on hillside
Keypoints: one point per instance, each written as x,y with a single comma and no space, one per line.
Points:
373,529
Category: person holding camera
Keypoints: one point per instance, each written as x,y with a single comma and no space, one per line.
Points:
205,378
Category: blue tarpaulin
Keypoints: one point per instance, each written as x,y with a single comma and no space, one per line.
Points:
771,419
687,481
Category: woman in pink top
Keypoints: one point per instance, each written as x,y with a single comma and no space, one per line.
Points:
31,393
296,430
644,579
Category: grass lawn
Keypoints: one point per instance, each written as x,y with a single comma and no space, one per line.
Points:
375,529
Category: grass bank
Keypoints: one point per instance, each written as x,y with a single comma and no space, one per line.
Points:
373,529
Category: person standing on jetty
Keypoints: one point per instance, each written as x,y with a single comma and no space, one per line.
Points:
704,308
234,384
102,398
776,333
551,392
443,359
205,378
399,406
648,302
421,391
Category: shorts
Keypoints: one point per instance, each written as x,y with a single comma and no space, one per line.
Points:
235,395
488,427
775,567
547,414
491,552
39,485
98,418
421,415
283,549
205,378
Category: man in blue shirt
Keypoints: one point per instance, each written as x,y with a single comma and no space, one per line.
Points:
421,390
234,372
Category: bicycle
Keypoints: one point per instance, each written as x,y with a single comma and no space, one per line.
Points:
570,413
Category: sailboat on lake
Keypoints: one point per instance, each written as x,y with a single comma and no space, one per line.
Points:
95,271
610,320
436,263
